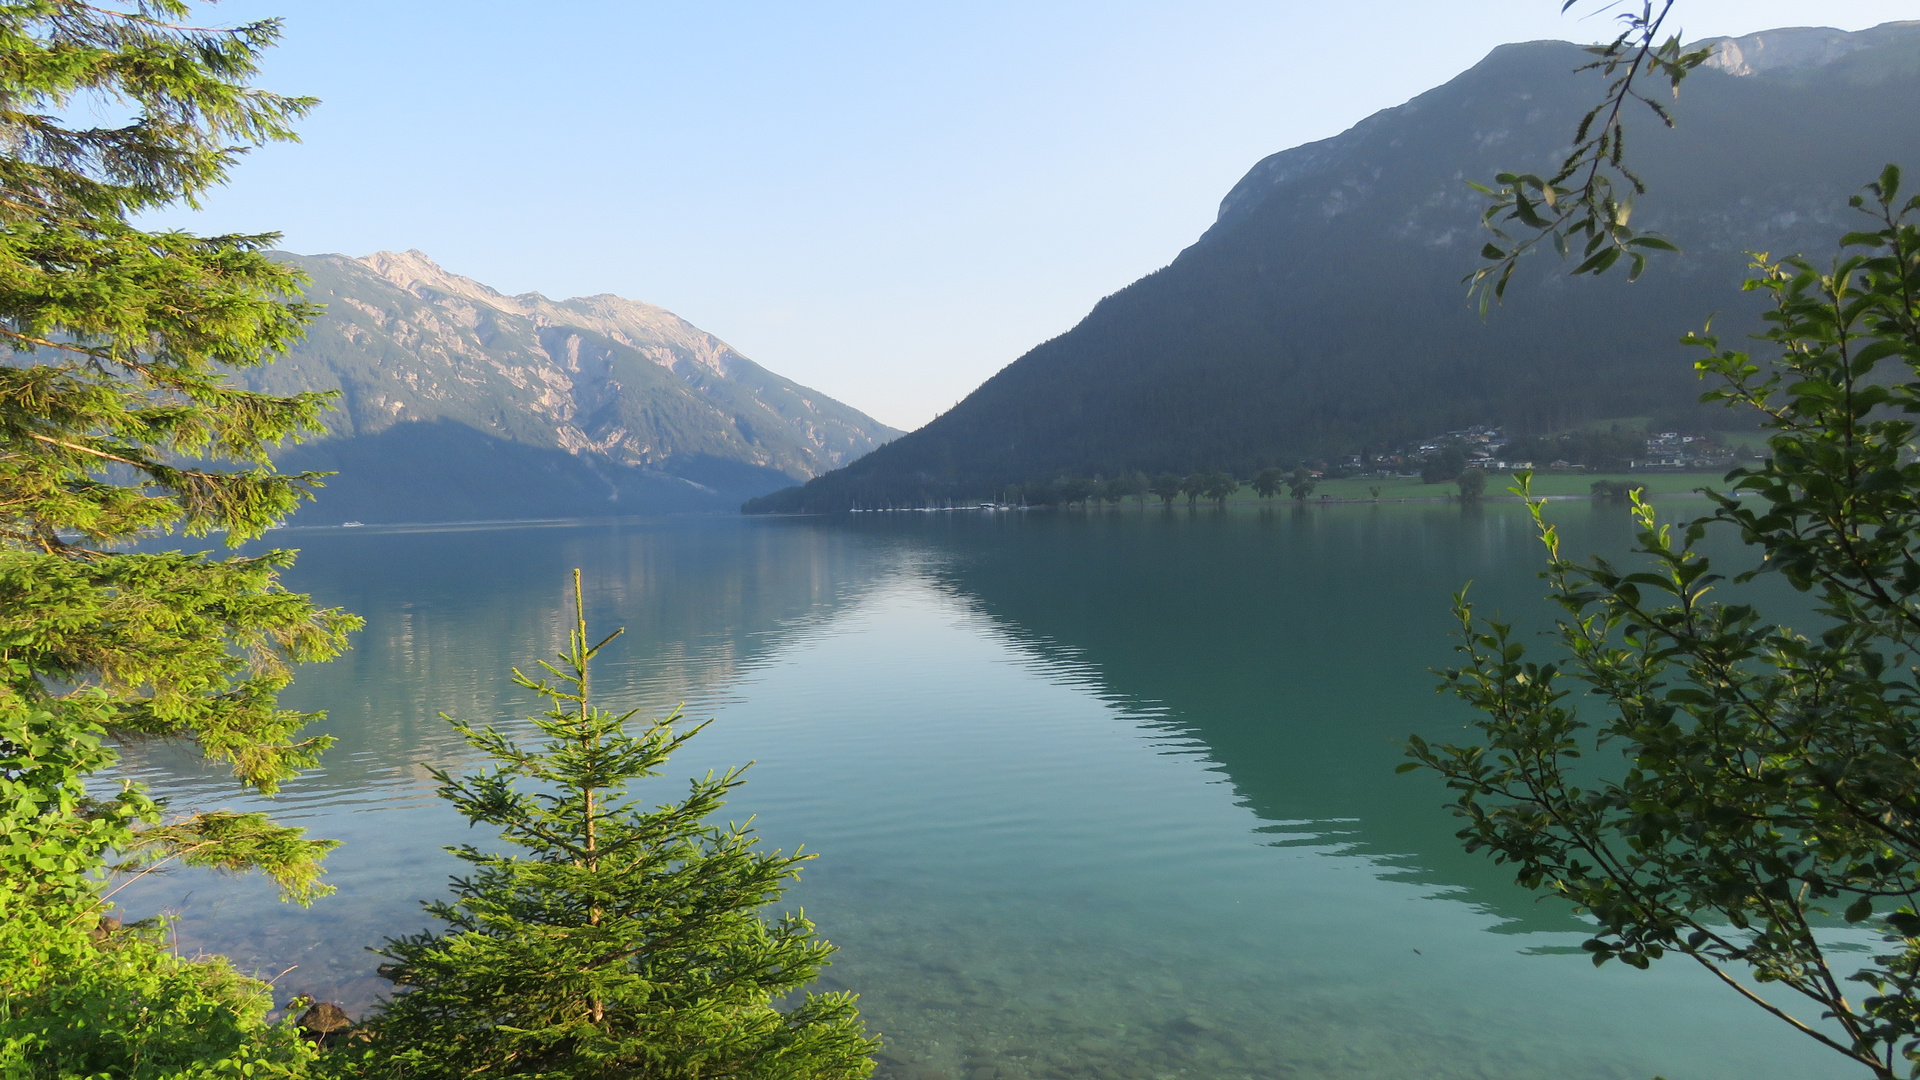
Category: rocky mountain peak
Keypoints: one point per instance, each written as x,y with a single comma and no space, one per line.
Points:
1794,47
458,401
665,337
414,271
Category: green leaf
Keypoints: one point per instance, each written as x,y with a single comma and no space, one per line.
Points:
1599,263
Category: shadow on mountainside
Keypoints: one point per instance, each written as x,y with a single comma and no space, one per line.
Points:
439,470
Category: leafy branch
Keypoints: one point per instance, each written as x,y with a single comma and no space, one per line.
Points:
1588,202
1765,787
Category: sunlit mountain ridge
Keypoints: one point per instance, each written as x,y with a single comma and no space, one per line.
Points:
458,402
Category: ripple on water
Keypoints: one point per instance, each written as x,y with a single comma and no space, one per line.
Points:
1092,802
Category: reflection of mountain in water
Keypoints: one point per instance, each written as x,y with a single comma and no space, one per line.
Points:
448,613
1295,646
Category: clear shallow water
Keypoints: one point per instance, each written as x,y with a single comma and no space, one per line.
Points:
1105,795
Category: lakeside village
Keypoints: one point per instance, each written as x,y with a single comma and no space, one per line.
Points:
1489,449
1438,459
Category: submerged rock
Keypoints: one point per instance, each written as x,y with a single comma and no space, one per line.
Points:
323,1021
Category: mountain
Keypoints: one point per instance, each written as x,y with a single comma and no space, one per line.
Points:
460,403
1322,314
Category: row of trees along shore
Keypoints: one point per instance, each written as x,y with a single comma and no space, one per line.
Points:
1217,487
608,940
1591,450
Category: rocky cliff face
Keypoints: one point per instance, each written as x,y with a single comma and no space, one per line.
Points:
654,413
1796,47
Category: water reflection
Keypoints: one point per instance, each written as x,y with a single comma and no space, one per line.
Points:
1104,795
448,612
1294,646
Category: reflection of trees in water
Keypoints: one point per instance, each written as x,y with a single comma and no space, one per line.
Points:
1293,645
447,614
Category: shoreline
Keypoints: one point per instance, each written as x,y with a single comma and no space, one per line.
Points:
1257,504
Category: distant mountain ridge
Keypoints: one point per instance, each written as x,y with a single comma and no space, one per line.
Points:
461,402
1794,47
1322,313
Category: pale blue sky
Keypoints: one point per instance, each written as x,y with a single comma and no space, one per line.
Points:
887,202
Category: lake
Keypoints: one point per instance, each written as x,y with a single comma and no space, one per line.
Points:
1100,794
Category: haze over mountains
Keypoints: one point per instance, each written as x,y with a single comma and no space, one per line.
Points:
1322,314
461,403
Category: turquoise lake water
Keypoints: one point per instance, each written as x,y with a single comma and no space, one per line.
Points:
1103,794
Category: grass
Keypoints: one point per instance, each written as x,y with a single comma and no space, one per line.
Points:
1544,483
1560,484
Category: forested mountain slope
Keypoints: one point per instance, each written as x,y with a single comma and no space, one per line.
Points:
1323,313
460,403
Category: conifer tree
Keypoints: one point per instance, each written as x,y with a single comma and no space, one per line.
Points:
117,422
618,941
